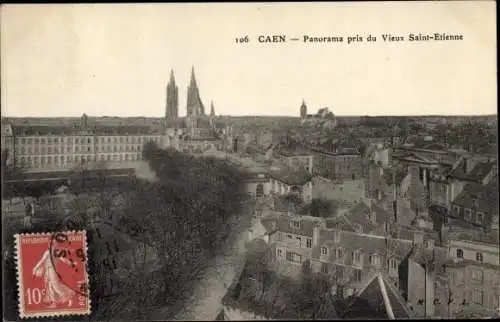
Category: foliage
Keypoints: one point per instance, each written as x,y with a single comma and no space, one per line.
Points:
320,207
185,217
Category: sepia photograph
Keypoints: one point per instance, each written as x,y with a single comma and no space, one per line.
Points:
249,161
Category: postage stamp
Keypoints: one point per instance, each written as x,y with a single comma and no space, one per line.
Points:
52,274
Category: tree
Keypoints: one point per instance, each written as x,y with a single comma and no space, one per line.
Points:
320,207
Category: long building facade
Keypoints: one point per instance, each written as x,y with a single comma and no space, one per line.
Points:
34,147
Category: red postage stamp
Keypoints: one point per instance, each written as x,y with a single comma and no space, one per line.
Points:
52,274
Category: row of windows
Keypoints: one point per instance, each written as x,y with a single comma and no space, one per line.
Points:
57,150
479,256
466,213
60,160
339,272
88,140
298,240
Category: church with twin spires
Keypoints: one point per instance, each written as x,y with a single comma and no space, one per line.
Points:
197,131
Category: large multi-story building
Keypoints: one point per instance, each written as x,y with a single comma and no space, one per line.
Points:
350,259
38,147
473,275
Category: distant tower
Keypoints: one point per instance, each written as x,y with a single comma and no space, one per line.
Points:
194,104
303,110
172,109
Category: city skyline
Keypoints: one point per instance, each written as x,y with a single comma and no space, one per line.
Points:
116,60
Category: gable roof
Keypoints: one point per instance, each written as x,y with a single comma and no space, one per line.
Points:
360,213
377,299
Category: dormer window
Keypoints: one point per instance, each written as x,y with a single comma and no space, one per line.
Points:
460,254
479,257
324,250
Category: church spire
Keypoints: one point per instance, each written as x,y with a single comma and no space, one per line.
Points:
193,78
212,109
172,78
194,104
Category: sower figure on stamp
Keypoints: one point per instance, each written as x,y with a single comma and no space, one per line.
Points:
56,290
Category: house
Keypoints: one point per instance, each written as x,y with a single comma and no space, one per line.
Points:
477,205
389,187
446,184
349,259
296,157
473,275
286,180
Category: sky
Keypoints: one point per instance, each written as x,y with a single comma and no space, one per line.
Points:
115,59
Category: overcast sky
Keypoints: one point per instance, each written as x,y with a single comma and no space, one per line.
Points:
103,59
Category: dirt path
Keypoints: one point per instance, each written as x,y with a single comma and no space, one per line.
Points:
206,303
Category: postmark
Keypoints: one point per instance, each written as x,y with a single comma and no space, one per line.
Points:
52,274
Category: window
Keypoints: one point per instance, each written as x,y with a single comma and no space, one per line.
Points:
460,253
279,252
374,260
393,263
289,237
357,275
356,256
479,257
280,236
308,243
324,268
295,224
340,253
456,210
299,241
477,296
477,275
479,218
467,212
324,250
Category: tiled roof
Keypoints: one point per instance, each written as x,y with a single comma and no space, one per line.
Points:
360,212
480,171
370,303
339,222
282,224
482,197
367,244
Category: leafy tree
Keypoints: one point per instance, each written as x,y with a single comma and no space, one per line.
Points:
320,207
187,216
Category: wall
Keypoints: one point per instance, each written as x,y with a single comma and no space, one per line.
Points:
348,192
439,193
490,252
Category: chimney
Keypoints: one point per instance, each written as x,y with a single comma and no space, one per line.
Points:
316,230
